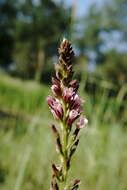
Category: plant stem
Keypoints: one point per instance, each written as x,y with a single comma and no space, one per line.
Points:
65,155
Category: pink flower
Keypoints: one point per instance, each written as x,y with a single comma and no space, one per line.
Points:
68,93
50,100
58,110
73,115
56,89
74,84
82,122
76,101
56,116
56,107
79,109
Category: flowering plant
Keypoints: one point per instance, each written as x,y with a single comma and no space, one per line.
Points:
65,105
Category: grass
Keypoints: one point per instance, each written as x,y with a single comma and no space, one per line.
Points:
20,96
27,146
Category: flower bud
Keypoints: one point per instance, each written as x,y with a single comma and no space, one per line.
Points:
75,134
69,73
79,109
55,81
54,185
75,182
66,52
56,90
57,172
76,101
73,148
59,145
50,100
73,115
56,107
58,110
55,131
82,122
67,95
74,84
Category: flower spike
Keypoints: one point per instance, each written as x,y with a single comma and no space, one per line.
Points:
65,105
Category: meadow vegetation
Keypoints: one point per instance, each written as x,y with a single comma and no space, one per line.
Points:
27,146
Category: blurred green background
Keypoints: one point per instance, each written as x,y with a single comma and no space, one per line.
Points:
30,33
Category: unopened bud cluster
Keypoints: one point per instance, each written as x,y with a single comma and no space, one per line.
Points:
66,107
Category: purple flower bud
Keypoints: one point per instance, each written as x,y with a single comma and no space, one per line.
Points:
78,100
50,100
54,114
82,122
74,84
55,81
56,107
57,110
75,102
56,90
67,95
73,115
80,109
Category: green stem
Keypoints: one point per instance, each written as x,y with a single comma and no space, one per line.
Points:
65,151
65,142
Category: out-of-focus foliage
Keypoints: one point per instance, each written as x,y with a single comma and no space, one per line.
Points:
39,26
114,68
90,40
8,13
31,30
104,41
27,147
